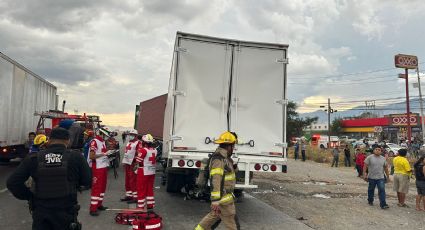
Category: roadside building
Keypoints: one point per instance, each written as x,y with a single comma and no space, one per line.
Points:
392,127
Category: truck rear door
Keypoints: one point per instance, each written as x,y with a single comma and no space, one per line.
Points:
257,99
200,93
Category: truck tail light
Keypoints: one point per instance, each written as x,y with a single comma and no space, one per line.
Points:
198,164
181,163
4,150
257,166
275,154
273,168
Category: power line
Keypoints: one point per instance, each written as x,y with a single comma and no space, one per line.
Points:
346,74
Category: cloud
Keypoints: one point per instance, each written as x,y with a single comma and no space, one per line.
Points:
106,56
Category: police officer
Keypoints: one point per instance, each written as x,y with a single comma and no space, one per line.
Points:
58,173
222,180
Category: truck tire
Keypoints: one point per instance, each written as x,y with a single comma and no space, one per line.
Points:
238,195
4,160
175,182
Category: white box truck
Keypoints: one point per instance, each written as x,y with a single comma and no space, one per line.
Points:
221,84
22,93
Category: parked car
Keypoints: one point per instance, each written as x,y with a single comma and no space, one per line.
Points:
392,149
358,143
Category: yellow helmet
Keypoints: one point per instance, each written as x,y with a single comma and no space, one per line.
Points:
147,138
40,139
226,138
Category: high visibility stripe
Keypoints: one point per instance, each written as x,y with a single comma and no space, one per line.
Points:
135,226
95,198
229,177
152,226
226,199
199,227
215,195
100,198
216,171
151,202
102,194
149,197
94,202
141,200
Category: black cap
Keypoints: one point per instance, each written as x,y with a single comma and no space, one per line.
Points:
402,152
59,134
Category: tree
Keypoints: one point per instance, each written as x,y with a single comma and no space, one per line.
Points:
295,124
336,126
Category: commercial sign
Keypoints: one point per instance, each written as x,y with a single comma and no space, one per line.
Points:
401,119
378,129
406,61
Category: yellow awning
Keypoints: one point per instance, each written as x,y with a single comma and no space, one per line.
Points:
358,130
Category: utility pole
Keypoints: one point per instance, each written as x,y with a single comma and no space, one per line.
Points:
421,104
329,122
329,110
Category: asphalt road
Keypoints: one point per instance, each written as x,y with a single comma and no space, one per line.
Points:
177,213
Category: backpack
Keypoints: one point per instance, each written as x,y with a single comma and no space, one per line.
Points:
139,220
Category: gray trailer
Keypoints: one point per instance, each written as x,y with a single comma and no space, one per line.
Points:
22,93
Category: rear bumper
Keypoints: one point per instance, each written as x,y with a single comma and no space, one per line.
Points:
12,152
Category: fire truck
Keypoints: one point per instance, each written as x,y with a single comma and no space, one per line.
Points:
52,118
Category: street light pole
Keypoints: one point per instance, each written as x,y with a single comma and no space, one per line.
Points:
409,131
421,104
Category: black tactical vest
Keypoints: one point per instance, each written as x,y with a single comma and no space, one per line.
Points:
52,179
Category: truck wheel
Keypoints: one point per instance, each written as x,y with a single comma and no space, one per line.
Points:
4,160
174,182
238,195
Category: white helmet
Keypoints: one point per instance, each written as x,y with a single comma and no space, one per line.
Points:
147,138
134,132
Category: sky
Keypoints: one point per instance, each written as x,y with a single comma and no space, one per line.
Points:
107,56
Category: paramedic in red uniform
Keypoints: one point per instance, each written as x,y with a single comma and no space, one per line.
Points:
99,163
146,161
129,162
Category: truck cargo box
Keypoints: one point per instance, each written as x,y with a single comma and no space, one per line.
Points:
22,93
151,116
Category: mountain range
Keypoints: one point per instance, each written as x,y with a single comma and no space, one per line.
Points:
378,111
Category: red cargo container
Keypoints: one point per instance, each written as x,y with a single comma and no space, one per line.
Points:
151,116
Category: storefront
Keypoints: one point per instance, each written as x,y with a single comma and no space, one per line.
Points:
391,127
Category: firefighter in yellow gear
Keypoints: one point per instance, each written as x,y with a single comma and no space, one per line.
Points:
222,180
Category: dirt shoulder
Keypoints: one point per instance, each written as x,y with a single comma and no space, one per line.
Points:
334,198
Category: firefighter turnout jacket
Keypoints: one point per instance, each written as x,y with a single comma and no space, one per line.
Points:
57,172
222,178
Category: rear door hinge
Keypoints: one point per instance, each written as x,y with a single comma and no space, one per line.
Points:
283,61
179,93
282,101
